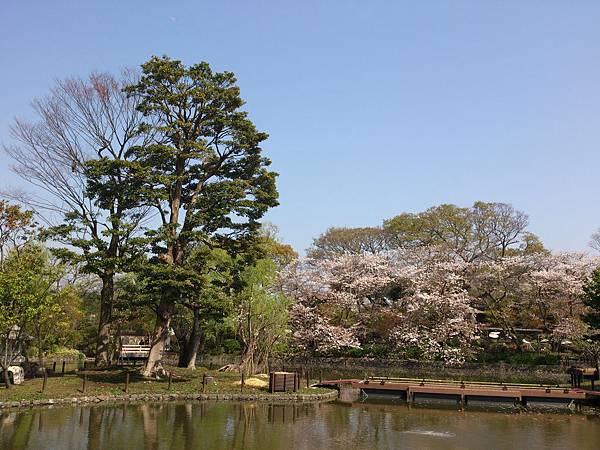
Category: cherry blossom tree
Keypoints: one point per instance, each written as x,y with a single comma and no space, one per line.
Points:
436,317
541,290
424,300
497,287
555,287
315,327
422,295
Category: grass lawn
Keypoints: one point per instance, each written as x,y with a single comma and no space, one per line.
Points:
112,382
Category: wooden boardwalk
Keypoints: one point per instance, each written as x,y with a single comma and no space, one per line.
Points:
463,391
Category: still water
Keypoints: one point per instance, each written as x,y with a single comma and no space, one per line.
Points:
312,426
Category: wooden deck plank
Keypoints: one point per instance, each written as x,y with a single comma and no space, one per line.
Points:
508,393
467,390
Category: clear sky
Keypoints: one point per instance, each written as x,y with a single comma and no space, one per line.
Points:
373,107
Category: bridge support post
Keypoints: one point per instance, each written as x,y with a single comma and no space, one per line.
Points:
348,393
410,397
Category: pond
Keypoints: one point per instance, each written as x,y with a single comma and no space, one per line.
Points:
305,426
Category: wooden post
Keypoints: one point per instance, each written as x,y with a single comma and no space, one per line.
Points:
45,382
320,376
296,381
84,382
307,380
127,382
63,367
410,397
242,383
54,367
170,380
572,377
203,382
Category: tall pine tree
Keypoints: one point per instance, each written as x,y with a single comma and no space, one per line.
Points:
204,174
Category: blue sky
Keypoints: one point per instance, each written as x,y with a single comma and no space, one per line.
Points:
373,107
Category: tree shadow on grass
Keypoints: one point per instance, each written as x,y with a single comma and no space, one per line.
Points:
120,377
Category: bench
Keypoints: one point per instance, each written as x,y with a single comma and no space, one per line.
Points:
133,352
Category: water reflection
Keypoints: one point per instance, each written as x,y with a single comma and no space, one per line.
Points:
262,426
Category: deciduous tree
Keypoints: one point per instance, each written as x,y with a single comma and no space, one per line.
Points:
77,155
262,315
483,231
22,298
348,241
595,241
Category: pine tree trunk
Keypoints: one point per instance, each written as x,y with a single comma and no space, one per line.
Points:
164,314
189,351
106,307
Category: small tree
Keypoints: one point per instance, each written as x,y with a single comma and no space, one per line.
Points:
262,315
16,229
22,299
57,322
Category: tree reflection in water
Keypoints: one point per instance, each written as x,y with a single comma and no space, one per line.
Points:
303,426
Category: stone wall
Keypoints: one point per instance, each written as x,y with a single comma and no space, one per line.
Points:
359,367
148,398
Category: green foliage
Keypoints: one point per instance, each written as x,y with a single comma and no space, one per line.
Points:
413,353
57,324
17,227
262,318
21,290
349,241
263,313
215,333
488,230
232,346
269,245
23,295
66,353
496,353
203,173
592,301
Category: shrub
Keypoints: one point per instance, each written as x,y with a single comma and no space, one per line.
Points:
66,353
232,346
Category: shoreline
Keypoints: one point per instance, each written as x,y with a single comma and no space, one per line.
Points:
157,398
